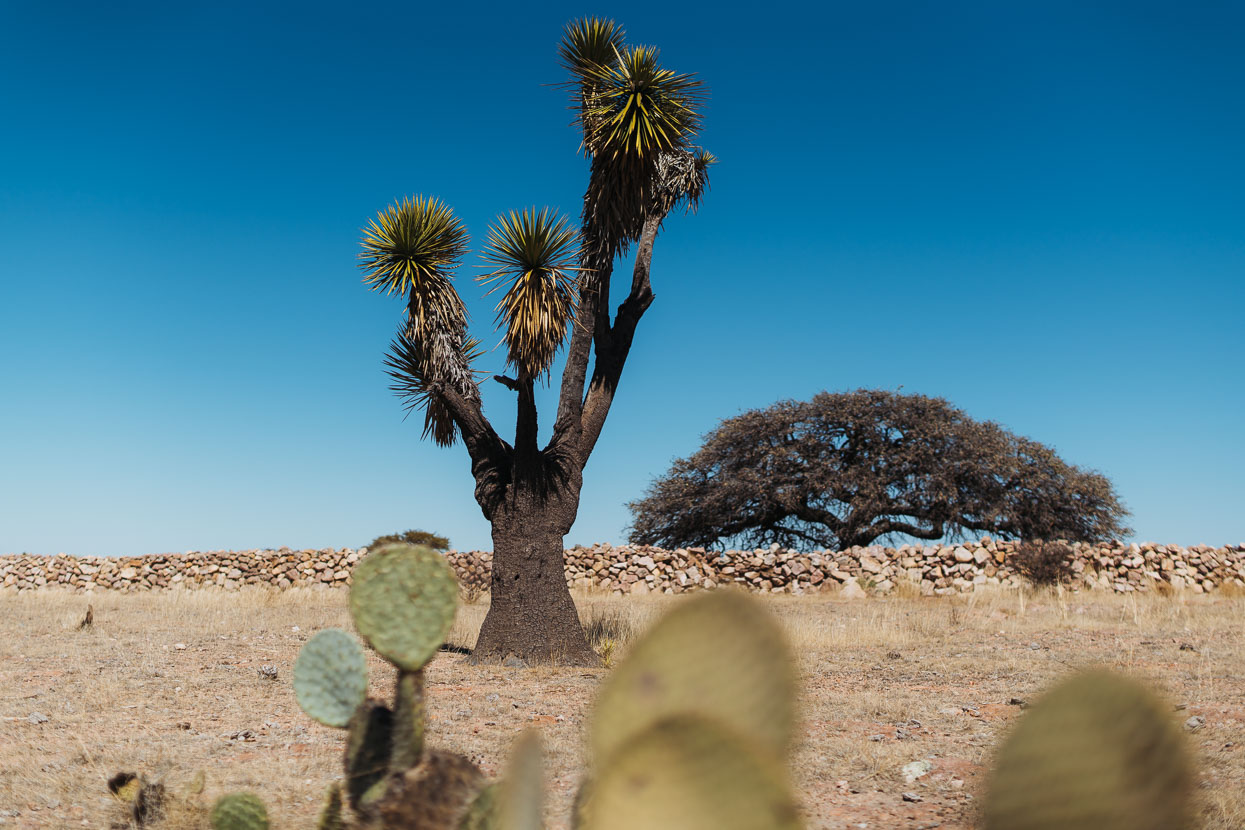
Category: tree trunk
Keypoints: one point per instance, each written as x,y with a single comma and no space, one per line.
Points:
531,615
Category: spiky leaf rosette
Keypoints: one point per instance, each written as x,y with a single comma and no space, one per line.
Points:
410,249
535,254
589,45
239,811
691,773
719,655
682,176
416,363
403,601
330,677
637,107
1098,752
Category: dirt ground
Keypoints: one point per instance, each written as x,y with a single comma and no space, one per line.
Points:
168,685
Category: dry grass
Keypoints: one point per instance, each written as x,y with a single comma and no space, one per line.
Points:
886,681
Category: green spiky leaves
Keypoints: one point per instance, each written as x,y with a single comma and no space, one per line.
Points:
719,656
416,363
403,601
330,677
1098,752
535,254
588,45
409,249
634,106
239,811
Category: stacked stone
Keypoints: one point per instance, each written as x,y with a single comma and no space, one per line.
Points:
640,569
283,568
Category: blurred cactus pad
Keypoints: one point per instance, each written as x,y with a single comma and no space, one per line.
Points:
239,811
1097,752
330,677
403,601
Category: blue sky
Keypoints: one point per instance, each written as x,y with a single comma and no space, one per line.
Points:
1035,210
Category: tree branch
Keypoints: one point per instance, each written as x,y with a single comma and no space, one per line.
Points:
525,422
611,359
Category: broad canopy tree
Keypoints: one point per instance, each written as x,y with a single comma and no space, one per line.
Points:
850,468
639,123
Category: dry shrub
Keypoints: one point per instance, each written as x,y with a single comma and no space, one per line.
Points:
1044,563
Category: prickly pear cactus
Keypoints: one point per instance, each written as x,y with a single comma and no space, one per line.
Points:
408,721
331,812
1098,752
718,655
368,747
520,795
403,601
330,677
239,811
691,773
482,810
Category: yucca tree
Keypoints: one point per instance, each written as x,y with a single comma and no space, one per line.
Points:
638,122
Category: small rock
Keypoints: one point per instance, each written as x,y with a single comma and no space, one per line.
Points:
179,646
876,738
492,697
37,717
912,797
851,590
915,770
267,671
1195,723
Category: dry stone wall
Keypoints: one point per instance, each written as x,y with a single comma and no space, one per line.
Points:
639,569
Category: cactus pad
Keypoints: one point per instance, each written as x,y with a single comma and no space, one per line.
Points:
1098,751
482,812
239,811
693,774
520,795
330,677
368,747
719,655
331,812
403,601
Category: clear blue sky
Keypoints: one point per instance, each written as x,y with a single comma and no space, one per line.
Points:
1035,210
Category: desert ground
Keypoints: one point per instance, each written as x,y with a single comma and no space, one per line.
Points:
168,685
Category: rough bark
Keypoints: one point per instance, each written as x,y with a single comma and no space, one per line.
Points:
531,614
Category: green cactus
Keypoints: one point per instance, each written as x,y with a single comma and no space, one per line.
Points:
1098,752
369,745
436,793
239,811
520,795
408,721
331,813
330,677
718,654
481,813
403,601
692,773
